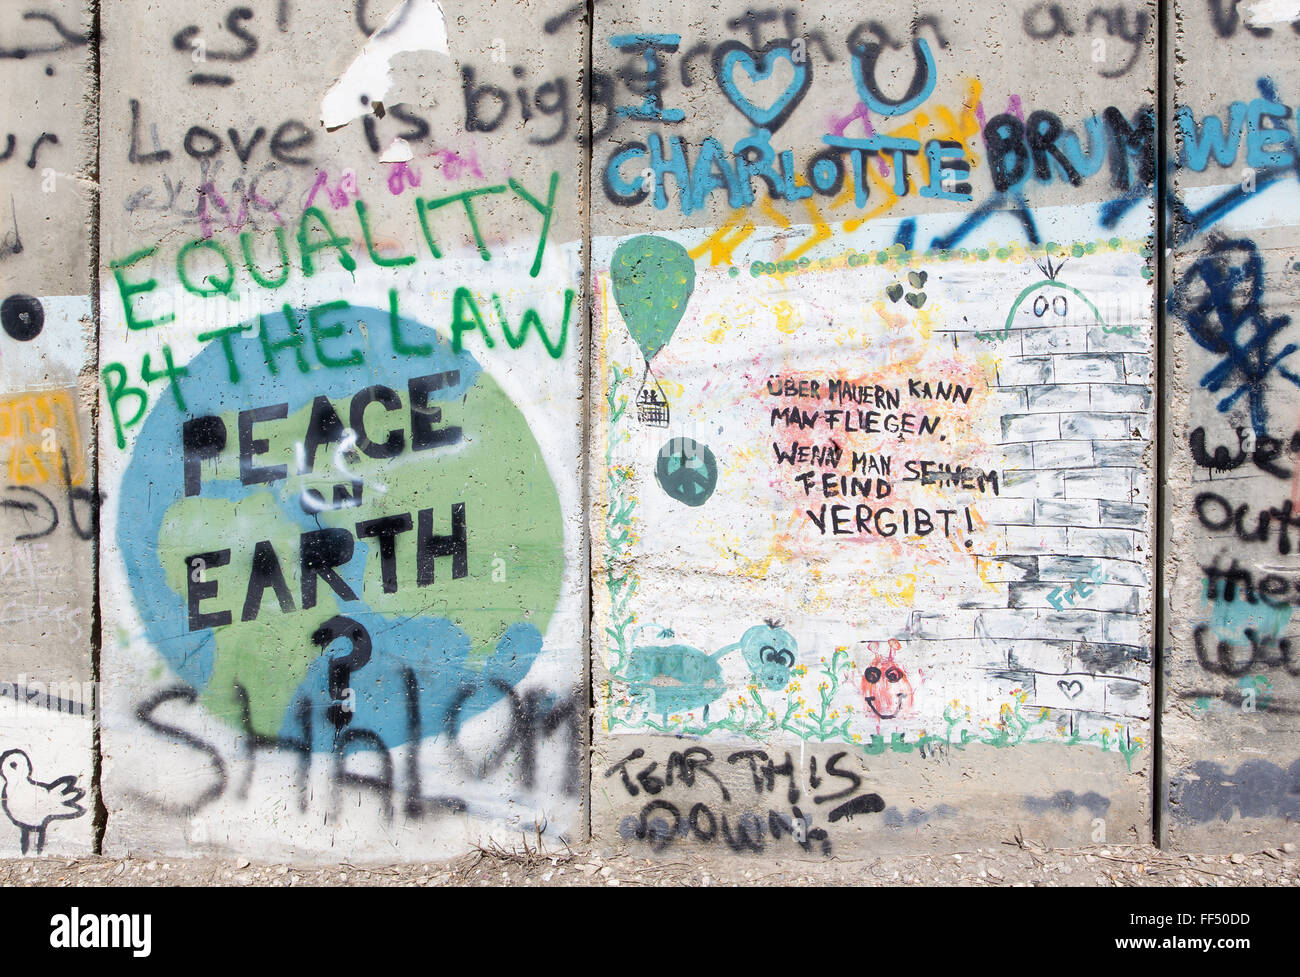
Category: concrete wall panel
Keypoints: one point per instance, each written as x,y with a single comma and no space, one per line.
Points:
1229,734
343,343
873,501
47,431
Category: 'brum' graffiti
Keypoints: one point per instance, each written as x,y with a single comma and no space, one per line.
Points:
365,547
1041,147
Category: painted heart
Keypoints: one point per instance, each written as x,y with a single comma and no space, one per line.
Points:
895,292
759,66
918,278
1072,689
916,299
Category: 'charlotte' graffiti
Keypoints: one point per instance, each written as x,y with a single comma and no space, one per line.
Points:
754,156
1041,146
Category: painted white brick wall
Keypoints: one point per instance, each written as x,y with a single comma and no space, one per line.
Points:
1075,403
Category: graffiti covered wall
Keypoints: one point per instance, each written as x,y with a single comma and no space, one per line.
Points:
722,426
1230,733
341,370
874,320
48,492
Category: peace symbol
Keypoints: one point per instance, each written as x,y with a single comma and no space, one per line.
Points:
687,471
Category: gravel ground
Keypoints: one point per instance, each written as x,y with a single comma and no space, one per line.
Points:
1008,865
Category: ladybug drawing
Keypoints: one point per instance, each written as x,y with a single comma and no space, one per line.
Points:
885,685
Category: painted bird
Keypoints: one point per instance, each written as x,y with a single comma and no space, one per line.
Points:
31,805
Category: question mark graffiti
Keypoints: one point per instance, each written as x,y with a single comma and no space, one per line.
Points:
341,668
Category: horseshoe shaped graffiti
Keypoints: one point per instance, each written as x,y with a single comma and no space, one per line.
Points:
863,57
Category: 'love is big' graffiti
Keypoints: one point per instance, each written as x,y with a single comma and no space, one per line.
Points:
315,536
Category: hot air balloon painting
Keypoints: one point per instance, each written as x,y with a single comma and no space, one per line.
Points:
653,279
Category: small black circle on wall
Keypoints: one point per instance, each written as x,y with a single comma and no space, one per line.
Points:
22,316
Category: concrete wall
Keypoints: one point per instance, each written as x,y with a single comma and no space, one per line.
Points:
773,389
342,574
1231,692
885,556
47,431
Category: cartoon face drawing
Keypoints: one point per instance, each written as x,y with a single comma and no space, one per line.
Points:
885,685
769,650
1051,304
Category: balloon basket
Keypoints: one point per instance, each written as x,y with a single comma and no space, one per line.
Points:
652,403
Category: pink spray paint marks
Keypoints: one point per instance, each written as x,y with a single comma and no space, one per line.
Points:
401,176
838,124
454,166
338,195
212,208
